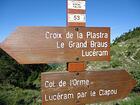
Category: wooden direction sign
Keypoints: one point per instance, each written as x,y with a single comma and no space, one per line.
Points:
35,45
85,87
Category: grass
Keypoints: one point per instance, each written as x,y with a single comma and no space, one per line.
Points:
11,95
134,99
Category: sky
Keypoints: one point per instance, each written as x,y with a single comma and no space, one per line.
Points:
120,15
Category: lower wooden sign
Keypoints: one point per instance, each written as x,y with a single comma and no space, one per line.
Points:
68,88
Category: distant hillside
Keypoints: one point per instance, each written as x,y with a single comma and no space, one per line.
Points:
126,50
128,35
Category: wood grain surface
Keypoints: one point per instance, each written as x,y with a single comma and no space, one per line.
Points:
104,83
29,45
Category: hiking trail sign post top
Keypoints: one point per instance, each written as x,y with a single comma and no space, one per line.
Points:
74,43
76,13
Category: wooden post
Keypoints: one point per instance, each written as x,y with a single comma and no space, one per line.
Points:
76,66
76,17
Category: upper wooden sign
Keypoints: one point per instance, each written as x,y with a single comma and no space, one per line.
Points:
34,45
85,87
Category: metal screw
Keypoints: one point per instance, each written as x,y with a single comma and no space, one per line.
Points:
76,29
77,73
77,59
77,102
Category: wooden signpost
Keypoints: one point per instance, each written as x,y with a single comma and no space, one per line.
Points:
74,45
